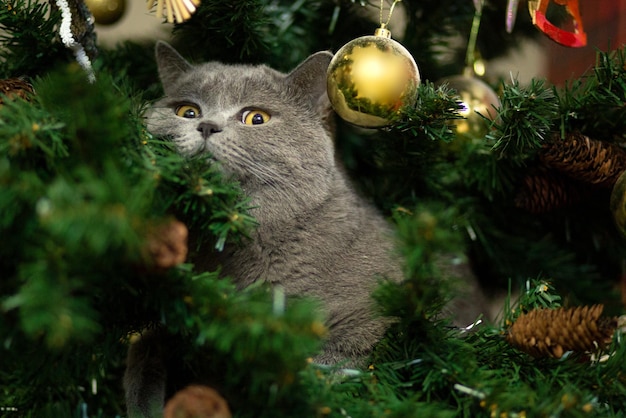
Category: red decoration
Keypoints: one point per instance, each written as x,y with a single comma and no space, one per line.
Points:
575,39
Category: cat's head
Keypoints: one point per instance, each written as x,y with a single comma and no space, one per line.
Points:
265,128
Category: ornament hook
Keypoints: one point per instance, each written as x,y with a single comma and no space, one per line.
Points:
470,55
383,24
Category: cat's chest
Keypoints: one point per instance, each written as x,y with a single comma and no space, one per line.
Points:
274,259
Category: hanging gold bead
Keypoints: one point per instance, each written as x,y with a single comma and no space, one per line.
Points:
106,12
371,78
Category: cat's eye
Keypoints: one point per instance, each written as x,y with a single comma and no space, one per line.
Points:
255,117
188,111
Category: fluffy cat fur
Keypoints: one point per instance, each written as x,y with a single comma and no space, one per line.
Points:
316,236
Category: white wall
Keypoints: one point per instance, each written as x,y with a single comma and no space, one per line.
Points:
136,23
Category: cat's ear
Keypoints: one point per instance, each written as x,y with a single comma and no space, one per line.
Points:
310,77
170,63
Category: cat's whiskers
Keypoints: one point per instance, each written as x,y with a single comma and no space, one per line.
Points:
261,173
269,176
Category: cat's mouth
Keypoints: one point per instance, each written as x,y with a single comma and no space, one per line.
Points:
210,159
203,151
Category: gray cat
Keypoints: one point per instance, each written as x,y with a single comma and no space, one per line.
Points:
316,236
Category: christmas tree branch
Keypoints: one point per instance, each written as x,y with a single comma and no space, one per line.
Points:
524,120
596,103
28,39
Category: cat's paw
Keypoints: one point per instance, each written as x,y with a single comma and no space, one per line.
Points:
197,401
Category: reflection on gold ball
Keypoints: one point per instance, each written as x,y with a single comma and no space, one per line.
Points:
106,12
371,78
477,99
618,203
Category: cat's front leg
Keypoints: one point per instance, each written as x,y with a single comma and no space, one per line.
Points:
145,377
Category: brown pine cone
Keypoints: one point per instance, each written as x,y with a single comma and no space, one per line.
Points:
15,87
580,157
545,190
167,244
197,401
552,332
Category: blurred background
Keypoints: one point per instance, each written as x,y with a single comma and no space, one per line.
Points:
604,23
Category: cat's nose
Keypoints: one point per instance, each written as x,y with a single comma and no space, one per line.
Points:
208,128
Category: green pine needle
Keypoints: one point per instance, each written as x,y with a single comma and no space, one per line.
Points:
525,119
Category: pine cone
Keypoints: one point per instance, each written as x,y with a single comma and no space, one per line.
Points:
166,244
552,332
197,401
545,190
15,87
592,161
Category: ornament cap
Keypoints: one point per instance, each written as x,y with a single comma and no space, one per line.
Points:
385,33
468,71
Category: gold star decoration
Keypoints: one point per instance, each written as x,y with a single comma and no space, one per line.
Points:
175,10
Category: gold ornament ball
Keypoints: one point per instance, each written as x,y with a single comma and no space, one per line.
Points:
371,78
106,12
618,203
477,99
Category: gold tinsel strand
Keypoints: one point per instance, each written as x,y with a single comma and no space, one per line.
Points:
552,332
175,10
589,160
545,190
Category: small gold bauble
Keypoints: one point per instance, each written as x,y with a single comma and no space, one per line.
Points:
618,203
370,78
106,12
477,99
